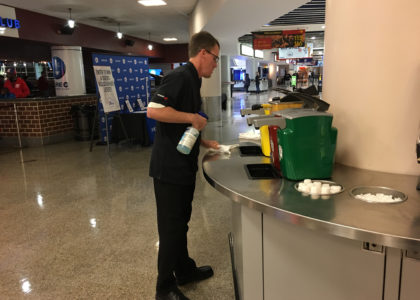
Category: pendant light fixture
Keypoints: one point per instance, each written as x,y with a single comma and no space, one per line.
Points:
70,22
119,33
150,46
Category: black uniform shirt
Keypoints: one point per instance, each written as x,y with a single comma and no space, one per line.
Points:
180,89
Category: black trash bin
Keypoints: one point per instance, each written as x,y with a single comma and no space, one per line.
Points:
83,115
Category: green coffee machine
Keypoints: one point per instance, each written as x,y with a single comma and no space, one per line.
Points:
305,141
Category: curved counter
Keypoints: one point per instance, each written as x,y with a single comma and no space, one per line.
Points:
395,225
336,246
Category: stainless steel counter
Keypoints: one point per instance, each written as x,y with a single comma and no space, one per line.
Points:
395,225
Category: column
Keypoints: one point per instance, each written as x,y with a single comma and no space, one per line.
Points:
211,94
225,74
371,79
69,75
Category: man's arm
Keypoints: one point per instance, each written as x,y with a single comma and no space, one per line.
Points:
170,115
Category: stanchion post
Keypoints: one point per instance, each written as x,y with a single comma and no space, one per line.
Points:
17,125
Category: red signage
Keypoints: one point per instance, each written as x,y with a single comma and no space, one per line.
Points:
278,39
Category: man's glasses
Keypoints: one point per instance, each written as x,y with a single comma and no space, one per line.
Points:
215,57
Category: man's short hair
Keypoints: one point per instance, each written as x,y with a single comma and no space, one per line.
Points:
201,40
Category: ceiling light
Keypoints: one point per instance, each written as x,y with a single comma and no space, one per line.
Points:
323,26
152,2
150,46
70,21
2,30
119,33
170,39
312,38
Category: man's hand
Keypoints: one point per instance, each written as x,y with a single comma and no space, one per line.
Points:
210,144
198,122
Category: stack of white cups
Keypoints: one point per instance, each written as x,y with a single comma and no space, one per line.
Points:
317,187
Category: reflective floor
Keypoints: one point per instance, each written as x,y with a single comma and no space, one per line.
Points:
76,224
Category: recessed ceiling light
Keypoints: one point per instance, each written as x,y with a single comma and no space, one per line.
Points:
170,39
323,26
152,2
312,38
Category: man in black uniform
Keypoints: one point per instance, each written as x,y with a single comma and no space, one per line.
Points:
175,106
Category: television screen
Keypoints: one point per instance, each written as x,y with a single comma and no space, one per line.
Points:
264,72
238,75
155,71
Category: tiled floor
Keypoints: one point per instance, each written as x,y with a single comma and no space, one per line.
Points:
82,225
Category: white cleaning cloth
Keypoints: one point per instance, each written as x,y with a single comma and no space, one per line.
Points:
225,149
250,135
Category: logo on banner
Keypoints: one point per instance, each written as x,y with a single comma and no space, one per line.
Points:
118,70
110,60
141,71
125,79
124,61
142,87
135,61
137,79
120,88
130,70
132,88
145,61
59,67
96,60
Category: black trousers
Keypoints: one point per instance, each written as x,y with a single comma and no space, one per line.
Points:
173,204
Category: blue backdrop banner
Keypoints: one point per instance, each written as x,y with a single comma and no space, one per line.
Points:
131,78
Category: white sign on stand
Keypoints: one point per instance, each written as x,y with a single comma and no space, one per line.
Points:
106,88
142,107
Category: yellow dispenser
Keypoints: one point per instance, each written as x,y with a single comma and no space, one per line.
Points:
268,109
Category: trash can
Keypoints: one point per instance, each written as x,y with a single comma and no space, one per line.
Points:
83,115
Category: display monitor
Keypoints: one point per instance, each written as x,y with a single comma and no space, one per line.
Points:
238,75
155,71
264,72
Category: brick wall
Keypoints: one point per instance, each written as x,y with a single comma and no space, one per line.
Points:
40,118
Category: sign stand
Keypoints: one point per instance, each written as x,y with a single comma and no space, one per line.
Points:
107,96
107,133
95,119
